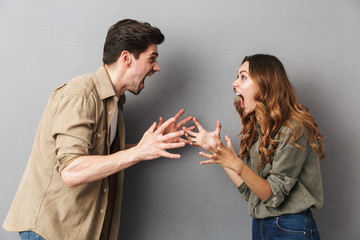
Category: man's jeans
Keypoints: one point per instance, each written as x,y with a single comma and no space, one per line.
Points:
30,236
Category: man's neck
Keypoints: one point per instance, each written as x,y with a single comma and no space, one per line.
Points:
115,75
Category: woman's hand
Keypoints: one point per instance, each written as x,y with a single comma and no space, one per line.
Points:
203,138
225,156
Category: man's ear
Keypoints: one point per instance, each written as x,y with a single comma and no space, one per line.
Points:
125,57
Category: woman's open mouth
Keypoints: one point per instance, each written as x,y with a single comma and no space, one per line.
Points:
242,99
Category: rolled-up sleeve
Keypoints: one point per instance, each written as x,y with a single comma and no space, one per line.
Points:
286,167
72,129
244,191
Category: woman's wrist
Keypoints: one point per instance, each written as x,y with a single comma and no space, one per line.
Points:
241,168
238,166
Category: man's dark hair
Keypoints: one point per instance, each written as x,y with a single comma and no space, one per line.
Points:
130,35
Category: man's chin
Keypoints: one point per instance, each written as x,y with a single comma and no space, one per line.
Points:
137,92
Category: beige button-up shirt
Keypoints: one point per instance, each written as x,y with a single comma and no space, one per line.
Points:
76,122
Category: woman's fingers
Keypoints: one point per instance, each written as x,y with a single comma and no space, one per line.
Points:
208,162
195,144
198,125
216,138
206,155
218,128
228,141
187,130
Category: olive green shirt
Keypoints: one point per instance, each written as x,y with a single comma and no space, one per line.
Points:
294,177
76,122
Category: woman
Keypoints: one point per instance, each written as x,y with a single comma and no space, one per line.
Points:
277,170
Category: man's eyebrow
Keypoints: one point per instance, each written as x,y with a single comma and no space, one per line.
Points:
154,53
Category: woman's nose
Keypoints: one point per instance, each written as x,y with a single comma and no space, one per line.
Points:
235,84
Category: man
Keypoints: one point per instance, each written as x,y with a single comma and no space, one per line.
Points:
72,185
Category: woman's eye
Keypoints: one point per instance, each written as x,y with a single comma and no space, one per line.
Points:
243,78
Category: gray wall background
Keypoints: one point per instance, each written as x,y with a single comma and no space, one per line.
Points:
44,43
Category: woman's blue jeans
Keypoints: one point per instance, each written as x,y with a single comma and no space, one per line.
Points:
28,235
292,226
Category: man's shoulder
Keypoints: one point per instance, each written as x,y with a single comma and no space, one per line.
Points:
82,85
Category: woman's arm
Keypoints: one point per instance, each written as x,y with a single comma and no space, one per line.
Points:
234,177
226,157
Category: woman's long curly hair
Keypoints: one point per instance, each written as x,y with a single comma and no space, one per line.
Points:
276,106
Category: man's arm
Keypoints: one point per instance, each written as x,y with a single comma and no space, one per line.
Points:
153,144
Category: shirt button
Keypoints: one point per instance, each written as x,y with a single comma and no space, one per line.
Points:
110,112
99,135
105,190
101,211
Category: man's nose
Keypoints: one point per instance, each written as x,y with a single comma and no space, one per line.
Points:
156,67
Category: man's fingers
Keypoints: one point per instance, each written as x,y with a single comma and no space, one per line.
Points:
173,145
178,115
183,122
161,121
169,155
172,135
165,125
152,128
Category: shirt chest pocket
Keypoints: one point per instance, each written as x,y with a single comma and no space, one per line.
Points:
98,143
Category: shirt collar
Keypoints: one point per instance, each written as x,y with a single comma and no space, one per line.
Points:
105,87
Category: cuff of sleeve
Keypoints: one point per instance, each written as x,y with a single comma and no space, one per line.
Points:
268,199
242,187
65,162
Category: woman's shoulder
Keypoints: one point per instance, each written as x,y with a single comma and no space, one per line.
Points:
292,127
292,131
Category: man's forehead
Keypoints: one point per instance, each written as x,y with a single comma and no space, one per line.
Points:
152,50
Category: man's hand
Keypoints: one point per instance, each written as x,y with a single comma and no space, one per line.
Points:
155,142
173,127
